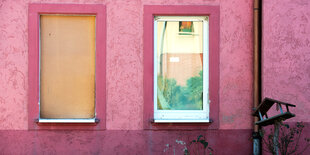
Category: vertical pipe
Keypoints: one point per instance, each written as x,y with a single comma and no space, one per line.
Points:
257,72
257,52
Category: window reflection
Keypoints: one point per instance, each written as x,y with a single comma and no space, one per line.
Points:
180,61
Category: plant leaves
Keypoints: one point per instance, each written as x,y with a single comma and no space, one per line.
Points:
205,145
286,125
199,138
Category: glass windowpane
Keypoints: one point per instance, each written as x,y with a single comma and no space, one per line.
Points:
179,65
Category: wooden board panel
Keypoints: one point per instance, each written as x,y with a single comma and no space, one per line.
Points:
67,69
271,120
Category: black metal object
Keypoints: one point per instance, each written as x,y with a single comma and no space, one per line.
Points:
261,112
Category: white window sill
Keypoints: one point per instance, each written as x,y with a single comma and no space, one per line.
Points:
182,121
91,120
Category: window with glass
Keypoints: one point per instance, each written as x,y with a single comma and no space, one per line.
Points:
181,69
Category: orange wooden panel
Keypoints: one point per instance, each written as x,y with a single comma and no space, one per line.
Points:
67,69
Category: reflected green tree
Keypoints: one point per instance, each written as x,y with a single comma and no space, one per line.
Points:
175,97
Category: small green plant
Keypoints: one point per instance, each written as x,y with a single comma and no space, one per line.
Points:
288,141
195,146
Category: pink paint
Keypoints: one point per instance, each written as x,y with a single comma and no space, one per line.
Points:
124,37
142,142
286,54
124,65
33,58
149,13
285,76
236,65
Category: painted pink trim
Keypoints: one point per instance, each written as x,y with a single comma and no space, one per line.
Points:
214,31
34,10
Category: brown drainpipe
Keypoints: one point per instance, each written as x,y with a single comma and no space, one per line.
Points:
257,72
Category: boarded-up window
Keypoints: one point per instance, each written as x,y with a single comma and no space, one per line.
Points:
67,66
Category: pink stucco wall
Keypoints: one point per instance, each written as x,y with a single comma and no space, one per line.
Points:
124,62
286,54
285,71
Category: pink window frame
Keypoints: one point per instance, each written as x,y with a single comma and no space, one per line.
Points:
148,41
34,11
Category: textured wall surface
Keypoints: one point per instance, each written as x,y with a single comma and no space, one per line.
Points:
236,64
124,61
286,68
13,65
286,54
124,111
122,142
